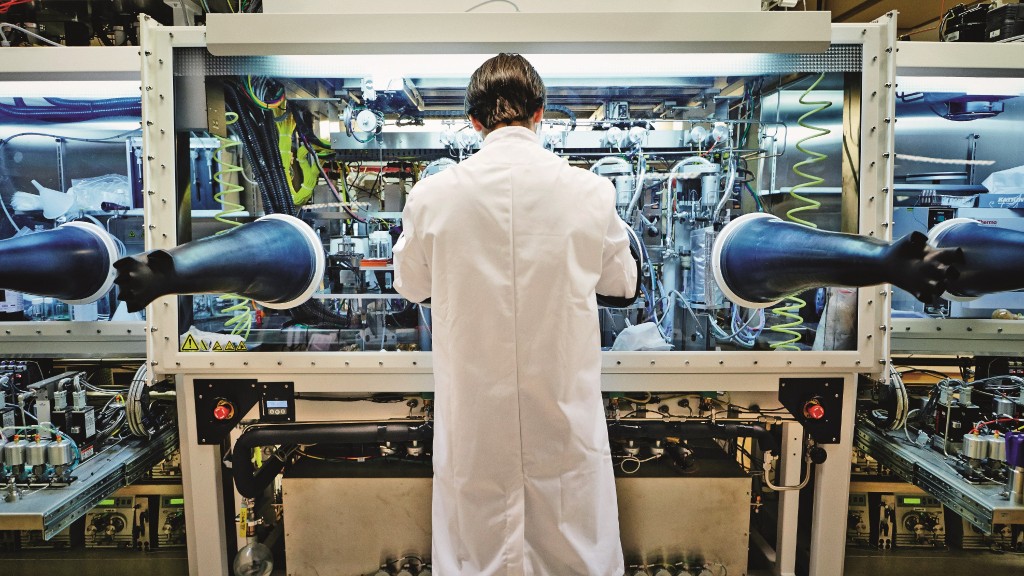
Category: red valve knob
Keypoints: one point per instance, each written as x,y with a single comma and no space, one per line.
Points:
814,410
223,411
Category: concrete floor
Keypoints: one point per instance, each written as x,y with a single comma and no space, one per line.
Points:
94,563
859,562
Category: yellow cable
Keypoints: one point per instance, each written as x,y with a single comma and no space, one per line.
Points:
308,164
310,169
241,321
793,305
285,127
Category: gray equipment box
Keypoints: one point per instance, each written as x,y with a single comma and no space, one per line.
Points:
368,514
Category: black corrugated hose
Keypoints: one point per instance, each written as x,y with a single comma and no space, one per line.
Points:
251,482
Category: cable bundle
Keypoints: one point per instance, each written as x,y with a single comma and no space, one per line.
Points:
257,130
65,110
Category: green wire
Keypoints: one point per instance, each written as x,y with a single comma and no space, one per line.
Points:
757,199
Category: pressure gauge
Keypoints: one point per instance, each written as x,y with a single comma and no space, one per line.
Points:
698,135
366,121
637,135
467,139
554,139
720,133
613,137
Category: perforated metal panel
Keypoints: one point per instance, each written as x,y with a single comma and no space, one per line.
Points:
838,58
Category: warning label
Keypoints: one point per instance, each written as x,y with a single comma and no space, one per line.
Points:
198,341
189,345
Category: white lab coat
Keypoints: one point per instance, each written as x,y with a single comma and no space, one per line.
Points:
510,246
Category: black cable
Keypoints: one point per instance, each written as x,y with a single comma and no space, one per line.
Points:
745,180
251,482
257,130
106,140
270,142
252,147
61,113
936,373
255,122
309,148
304,125
564,110
854,167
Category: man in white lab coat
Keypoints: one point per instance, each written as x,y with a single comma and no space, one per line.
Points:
511,247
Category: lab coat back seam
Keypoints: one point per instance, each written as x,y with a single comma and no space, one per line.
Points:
521,501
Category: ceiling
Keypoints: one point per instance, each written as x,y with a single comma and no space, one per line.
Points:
918,18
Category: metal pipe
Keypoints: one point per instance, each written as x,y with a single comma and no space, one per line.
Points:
727,193
972,153
1017,487
949,416
691,430
62,175
251,482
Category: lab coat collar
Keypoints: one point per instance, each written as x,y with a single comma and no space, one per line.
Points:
510,134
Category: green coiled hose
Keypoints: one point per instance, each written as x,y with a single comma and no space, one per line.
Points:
240,322
790,310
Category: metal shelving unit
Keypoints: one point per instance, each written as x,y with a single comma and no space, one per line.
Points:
22,68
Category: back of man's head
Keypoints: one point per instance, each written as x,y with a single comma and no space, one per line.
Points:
504,90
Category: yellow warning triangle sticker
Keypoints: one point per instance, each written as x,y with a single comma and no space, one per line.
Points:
190,345
229,347
241,347
217,348
203,346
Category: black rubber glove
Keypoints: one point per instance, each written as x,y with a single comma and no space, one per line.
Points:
767,259
268,261
993,257
638,256
67,263
920,269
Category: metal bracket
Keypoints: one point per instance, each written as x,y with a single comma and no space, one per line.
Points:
241,394
795,393
216,109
